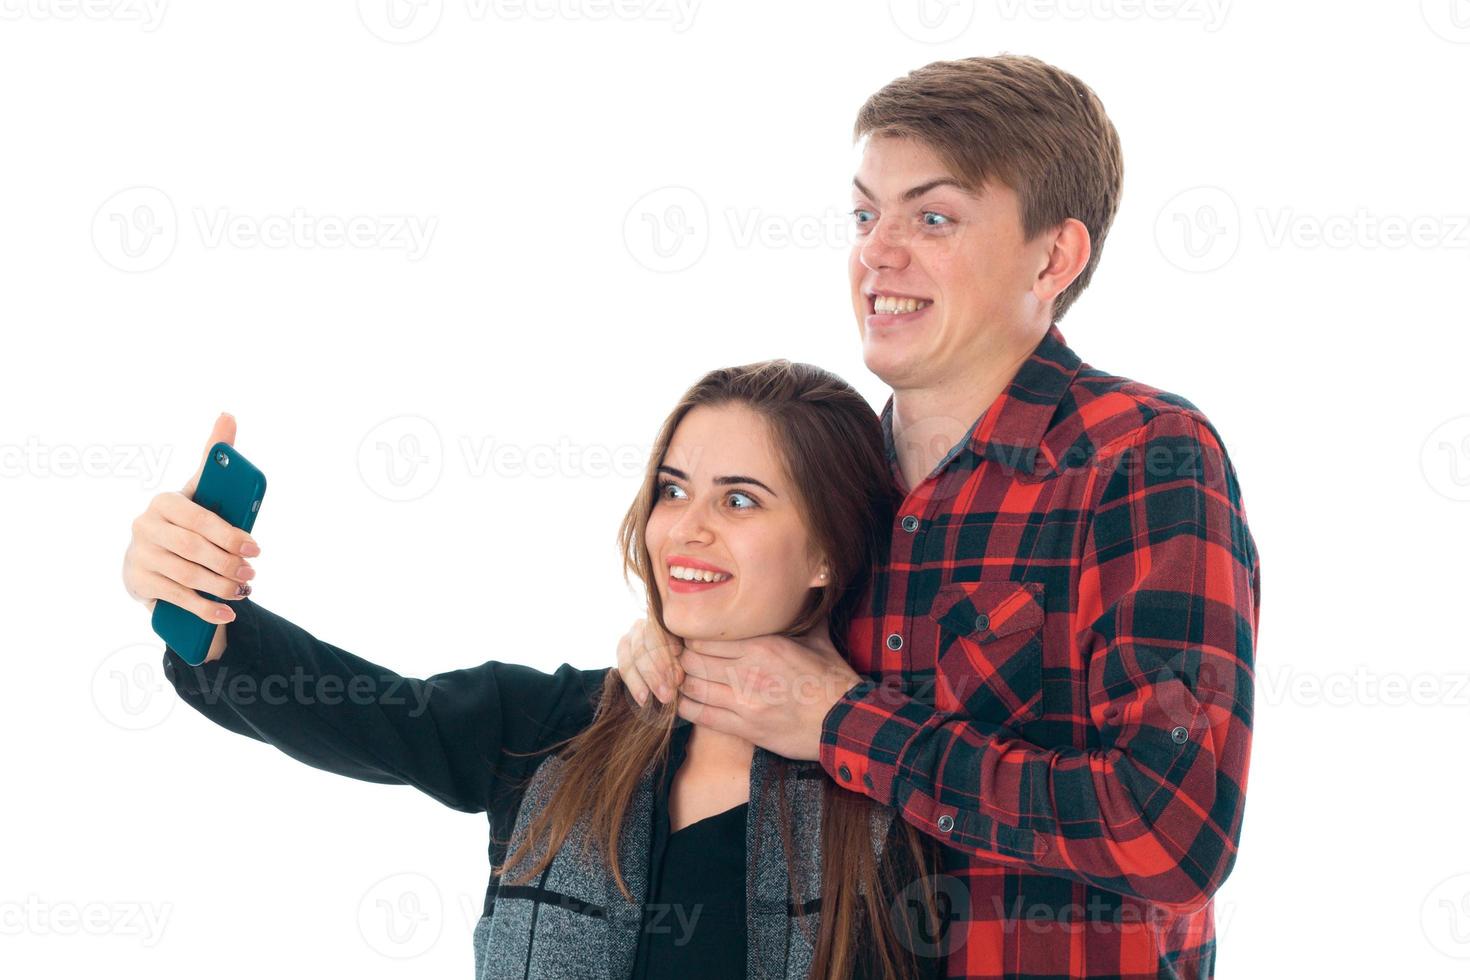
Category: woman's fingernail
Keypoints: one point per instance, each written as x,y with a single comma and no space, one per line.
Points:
249,549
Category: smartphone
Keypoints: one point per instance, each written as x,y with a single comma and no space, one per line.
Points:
232,487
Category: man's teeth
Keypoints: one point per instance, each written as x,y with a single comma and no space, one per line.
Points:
897,304
695,574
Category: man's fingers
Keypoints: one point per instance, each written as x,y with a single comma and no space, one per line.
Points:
657,676
632,679
696,664
708,692
720,719
658,659
646,664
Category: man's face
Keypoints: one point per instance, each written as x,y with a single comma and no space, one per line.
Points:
961,254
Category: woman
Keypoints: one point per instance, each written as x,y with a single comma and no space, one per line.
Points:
626,842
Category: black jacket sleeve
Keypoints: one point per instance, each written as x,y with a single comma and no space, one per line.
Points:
449,735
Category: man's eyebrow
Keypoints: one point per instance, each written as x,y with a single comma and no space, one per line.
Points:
720,481
914,192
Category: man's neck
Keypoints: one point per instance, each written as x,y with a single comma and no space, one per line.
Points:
927,422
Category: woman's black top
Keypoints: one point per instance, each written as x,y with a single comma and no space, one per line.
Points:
694,914
462,737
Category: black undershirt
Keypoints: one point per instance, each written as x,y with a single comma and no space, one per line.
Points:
694,915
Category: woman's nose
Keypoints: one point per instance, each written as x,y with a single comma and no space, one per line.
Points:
693,524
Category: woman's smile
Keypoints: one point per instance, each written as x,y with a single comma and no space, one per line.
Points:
682,586
688,575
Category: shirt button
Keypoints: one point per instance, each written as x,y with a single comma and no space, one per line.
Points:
946,823
894,641
982,623
844,772
910,523
1180,734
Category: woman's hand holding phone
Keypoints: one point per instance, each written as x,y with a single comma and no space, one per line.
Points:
179,546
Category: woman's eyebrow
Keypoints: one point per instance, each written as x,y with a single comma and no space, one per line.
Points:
720,480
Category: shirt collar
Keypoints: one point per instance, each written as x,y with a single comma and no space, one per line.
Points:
1011,429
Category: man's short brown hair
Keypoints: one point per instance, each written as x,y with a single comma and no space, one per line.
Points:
1021,121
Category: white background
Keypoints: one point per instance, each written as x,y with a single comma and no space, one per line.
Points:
1277,158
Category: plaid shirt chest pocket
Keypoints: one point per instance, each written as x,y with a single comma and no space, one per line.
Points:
988,660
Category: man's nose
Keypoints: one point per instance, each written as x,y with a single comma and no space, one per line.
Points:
886,246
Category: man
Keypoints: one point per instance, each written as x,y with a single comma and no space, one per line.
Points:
1052,671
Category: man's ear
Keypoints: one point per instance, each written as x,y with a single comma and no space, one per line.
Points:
1071,247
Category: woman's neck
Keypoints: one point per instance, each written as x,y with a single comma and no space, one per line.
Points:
719,749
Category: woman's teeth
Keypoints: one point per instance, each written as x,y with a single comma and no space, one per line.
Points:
896,304
696,574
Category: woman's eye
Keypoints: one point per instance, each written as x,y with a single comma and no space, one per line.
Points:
936,214
858,213
663,489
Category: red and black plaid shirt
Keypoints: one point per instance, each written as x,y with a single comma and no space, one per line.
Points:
1057,653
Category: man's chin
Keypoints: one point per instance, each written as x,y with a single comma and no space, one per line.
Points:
886,357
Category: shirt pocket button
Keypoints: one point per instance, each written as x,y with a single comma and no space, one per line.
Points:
988,657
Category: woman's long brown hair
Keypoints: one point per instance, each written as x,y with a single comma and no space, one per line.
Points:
831,445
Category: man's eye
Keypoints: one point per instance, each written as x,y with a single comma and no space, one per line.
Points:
936,214
858,214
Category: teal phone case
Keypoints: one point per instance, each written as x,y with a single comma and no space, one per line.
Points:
232,487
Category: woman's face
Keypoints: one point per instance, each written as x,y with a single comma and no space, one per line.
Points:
723,501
